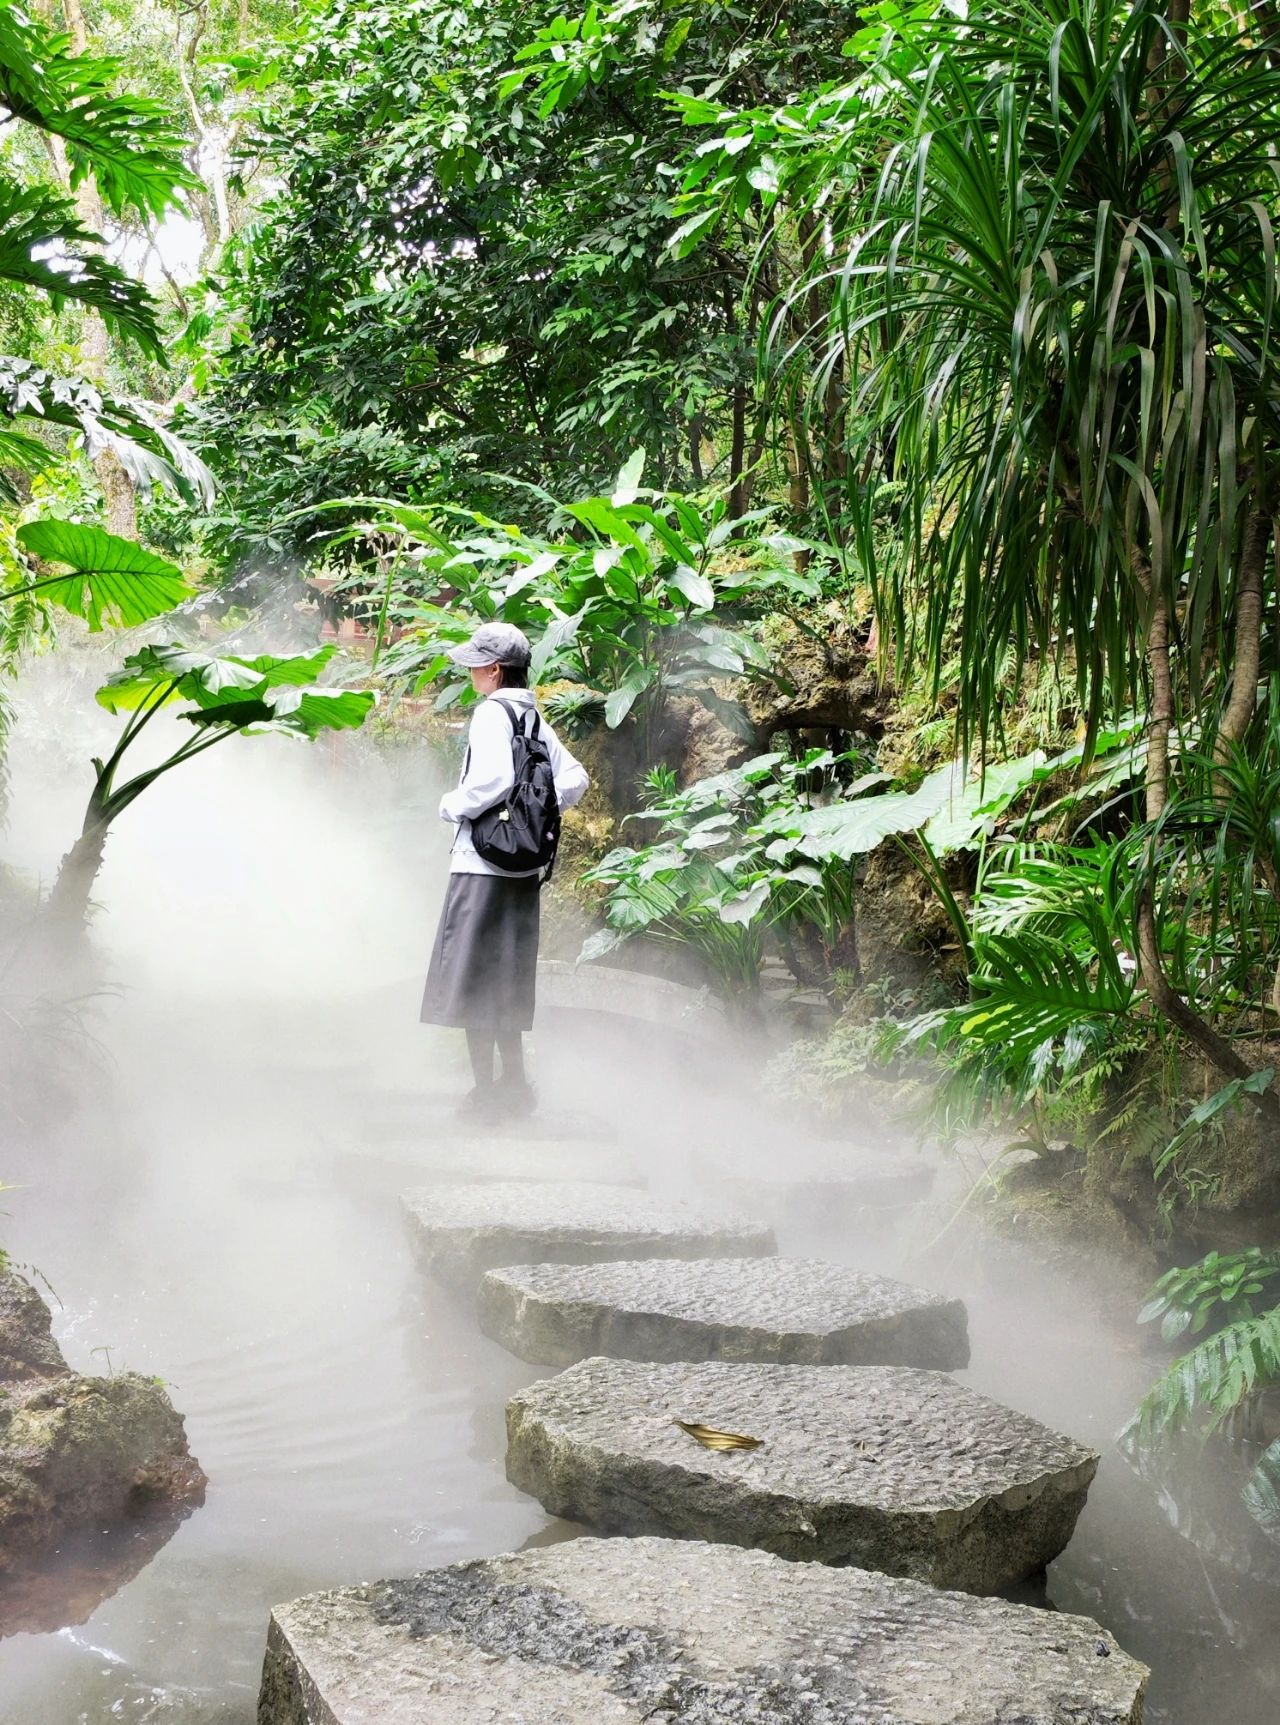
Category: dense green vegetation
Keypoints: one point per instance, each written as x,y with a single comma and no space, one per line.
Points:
876,423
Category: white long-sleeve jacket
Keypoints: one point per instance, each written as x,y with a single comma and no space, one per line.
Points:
490,773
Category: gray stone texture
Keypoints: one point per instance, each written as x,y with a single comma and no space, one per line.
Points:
787,1311
72,1448
462,1231
888,1468
619,1632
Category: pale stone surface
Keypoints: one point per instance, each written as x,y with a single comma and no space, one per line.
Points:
595,988
619,1632
805,1179
462,1231
888,1468
789,1311
468,1159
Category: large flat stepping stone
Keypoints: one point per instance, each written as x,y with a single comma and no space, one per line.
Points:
821,1179
787,1311
462,1231
565,986
470,1160
888,1468
621,1631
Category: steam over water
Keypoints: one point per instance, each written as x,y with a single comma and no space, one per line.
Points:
219,1208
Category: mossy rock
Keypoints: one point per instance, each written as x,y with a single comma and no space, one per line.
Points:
76,1449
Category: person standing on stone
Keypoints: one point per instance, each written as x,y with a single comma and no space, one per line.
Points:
483,968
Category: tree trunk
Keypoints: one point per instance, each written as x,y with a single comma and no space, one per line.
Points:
1151,972
68,904
1248,644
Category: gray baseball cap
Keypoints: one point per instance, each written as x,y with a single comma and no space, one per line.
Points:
494,644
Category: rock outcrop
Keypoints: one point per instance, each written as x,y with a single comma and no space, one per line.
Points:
74,1448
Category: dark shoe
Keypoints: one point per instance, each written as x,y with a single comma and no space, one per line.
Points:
518,1098
482,1103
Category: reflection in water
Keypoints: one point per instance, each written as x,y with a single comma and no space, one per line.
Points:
227,1218
89,1565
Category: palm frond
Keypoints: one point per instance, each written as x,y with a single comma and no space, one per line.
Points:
130,144
44,245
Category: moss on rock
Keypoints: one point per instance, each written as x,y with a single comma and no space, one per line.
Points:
72,1448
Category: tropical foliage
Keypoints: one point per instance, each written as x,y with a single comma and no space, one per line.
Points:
639,597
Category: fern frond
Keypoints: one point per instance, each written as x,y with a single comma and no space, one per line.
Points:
1204,1386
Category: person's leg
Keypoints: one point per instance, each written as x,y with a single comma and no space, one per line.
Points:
480,1048
518,1095
511,1049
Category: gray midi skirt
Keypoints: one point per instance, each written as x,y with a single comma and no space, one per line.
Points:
484,967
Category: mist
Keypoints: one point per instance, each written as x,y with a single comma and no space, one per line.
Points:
209,1182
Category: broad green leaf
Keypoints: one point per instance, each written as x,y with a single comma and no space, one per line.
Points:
972,813
555,637
850,829
744,907
113,580
596,513
208,679
628,692
627,484
695,588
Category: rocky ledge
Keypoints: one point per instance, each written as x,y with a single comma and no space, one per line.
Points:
72,1448
786,1311
903,1471
620,1631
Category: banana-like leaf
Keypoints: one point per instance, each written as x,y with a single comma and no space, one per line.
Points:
710,1438
112,580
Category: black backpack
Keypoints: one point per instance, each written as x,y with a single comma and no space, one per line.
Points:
521,834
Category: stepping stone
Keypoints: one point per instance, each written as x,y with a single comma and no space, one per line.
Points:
620,1631
462,1231
820,1181
904,1471
475,1159
566,986
787,1311
418,1114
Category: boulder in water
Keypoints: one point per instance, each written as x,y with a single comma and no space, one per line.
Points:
75,1448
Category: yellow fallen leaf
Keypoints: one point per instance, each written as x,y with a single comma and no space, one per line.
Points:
710,1438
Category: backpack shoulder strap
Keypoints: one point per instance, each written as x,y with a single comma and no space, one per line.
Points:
509,710
517,717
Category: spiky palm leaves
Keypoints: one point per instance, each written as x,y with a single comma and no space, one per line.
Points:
1052,281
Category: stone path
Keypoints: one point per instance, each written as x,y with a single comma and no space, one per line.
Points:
462,1231
903,1471
617,1632
789,1311
867,1458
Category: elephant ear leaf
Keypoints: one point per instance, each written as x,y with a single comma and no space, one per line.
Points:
112,580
